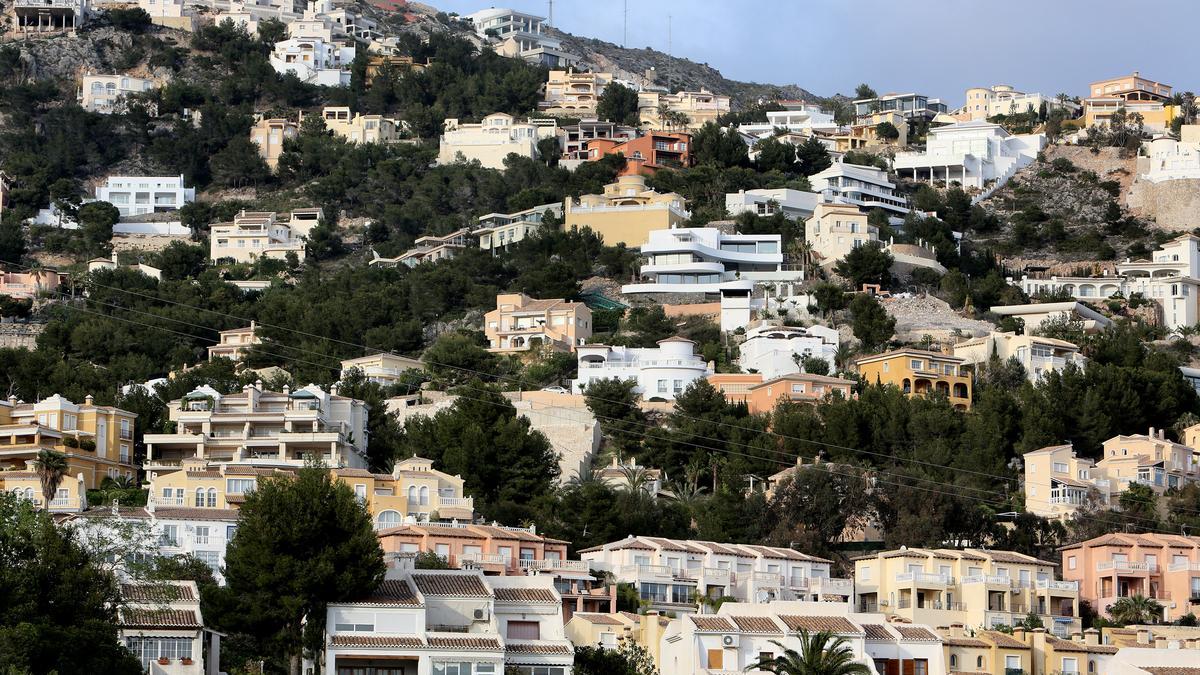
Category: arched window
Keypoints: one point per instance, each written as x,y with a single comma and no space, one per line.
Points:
387,519
29,494
953,660
424,495
1091,666
978,661
212,497
199,497
412,494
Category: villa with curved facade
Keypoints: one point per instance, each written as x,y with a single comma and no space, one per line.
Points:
661,372
707,260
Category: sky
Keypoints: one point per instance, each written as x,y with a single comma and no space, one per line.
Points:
935,47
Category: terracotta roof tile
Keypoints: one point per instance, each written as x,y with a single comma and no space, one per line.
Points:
964,642
543,595
393,592
875,631
757,624
235,499
599,619
375,641
1002,640
915,633
457,585
354,473
815,624
464,642
163,513
1171,670
1061,645
716,623
160,618
152,592
207,473
536,648
248,471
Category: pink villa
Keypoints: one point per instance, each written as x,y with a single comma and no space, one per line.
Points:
1164,567
29,285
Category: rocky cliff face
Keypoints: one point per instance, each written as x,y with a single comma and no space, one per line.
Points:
90,50
1172,205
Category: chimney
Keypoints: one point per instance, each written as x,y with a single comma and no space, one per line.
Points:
1019,633
1152,434
1160,642
1091,636
1143,636
1077,636
87,400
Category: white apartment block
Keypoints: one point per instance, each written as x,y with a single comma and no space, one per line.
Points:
1170,278
492,140
707,260
735,638
973,154
672,574
521,36
262,234
1170,159
864,186
106,94
359,128
793,204
1003,99
1039,356
450,622
772,349
661,372
383,368
314,60
430,248
161,530
837,229
139,195
805,119
497,231
262,429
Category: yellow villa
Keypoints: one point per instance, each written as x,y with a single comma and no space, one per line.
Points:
627,211
974,587
70,497
917,372
1132,93
96,439
521,323
414,491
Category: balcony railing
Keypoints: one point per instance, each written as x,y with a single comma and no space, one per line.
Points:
646,570
485,558
456,502
831,585
1184,567
549,564
1126,566
167,501
925,578
987,579
1053,585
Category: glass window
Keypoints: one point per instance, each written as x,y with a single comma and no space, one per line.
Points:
201,535
239,486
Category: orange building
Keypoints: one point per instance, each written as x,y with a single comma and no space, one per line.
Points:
654,151
760,396
1163,567
504,551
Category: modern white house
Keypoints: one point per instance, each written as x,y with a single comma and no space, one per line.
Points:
806,118
1034,315
671,574
793,204
105,94
449,622
974,154
661,372
262,234
738,635
1170,159
864,186
772,349
911,105
496,137
139,195
1170,279
707,260
1039,356
314,59
500,230
521,36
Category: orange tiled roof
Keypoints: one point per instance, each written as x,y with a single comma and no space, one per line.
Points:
915,633
464,642
1003,640
536,648
156,592
375,641
816,624
525,595
717,623
393,592
455,585
160,618
875,631
756,624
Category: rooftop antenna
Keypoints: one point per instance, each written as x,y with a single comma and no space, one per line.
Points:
625,24
550,21
668,35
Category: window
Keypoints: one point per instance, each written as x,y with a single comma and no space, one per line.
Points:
1010,662
239,486
355,627
1060,467
212,498
199,497
168,535
201,535
150,649
387,519
524,630
230,530
1071,563
662,386
920,667
360,493
915,364
1070,665
210,558
953,660
424,493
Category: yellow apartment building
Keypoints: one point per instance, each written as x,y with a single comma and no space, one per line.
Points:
521,323
918,372
699,107
984,651
626,212
611,629
269,135
413,490
359,128
973,587
71,496
1135,94
574,94
96,439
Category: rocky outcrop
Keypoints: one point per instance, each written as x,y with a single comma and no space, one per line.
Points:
1172,204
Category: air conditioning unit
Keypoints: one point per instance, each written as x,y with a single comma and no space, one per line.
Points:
1016,591
729,640
480,614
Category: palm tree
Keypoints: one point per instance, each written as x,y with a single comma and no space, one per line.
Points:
51,468
820,653
1136,609
842,356
635,478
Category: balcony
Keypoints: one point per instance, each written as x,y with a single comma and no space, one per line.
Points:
907,603
925,578
456,502
167,501
831,586
1184,567
1126,566
550,564
646,571
1052,585
767,579
989,579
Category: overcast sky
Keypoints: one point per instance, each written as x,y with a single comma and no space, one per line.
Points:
935,47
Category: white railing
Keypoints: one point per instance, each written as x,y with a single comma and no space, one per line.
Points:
460,502
1051,584
1184,567
167,501
831,585
987,579
646,570
925,577
768,578
549,564
60,502
485,558
1126,566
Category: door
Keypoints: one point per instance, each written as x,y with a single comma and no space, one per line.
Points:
716,659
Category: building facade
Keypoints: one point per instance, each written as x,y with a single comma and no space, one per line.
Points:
773,350
918,372
106,94
161,623
139,195
262,234
1163,567
97,440
977,588
497,231
708,260
269,135
863,186
973,154
318,60
627,212
661,372
30,285
382,368
359,128
836,229
521,323
793,204
696,107
645,154
1003,99
1169,159
1039,356
1133,94
496,137
429,248
573,94
911,105
761,394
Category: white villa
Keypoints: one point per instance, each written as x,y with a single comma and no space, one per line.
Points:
139,195
706,260
671,574
804,119
1170,278
1170,159
497,136
974,154
1037,355
864,186
771,349
262,234
314,59
793,204
661,372
521,36
500,230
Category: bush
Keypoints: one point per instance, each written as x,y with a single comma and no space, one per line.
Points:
87,444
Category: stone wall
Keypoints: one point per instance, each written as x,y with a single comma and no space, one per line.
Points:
1172,204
